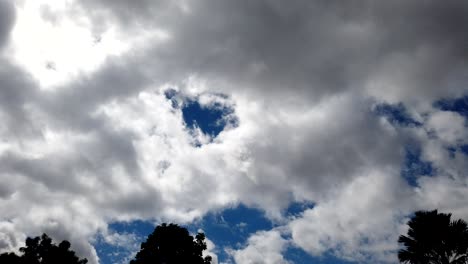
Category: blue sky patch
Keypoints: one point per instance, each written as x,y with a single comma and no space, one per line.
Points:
113,254
451,150
414,166
396,114
211,119
229,228
459,105
108,253
141,228
232,227
296,208
462,148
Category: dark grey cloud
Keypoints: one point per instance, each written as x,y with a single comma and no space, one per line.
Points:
17,91
25,109
76,101
53,172
313,48
7,21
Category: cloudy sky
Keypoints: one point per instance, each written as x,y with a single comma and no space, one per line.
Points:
288,131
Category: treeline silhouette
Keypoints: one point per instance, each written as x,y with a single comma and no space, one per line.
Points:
40,250
168,244
432,238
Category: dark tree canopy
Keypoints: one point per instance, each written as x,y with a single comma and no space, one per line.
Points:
41,250
434,239
10,258
172,244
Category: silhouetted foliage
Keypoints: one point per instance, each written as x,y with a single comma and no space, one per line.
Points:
434,239
41,250
172,244
10,258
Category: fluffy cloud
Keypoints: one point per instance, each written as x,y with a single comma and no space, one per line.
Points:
360,223
210,250
88,135
262,247
449,127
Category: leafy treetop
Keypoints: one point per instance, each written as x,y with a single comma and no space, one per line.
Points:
434,239
41,250
172,244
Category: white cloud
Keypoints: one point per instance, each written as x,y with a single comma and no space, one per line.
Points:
262,247
449,127
445,193
211,250
56,46
360,223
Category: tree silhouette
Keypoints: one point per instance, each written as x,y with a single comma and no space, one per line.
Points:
41,250
172,244
10,258
434,239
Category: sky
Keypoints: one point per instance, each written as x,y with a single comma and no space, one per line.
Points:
287,131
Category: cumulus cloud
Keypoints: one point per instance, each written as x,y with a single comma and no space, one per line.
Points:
262,247
360,223
211,249
98,140
449,127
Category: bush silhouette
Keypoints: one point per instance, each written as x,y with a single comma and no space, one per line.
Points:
10,258
434,239
172,244
41,250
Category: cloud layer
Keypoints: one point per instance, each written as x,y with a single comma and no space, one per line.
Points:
88,135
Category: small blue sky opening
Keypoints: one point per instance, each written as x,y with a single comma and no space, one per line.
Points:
232,227
211,119
396,114
459,105
452,150
297,208
464,149
111,254
138,227
208,119
414,166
